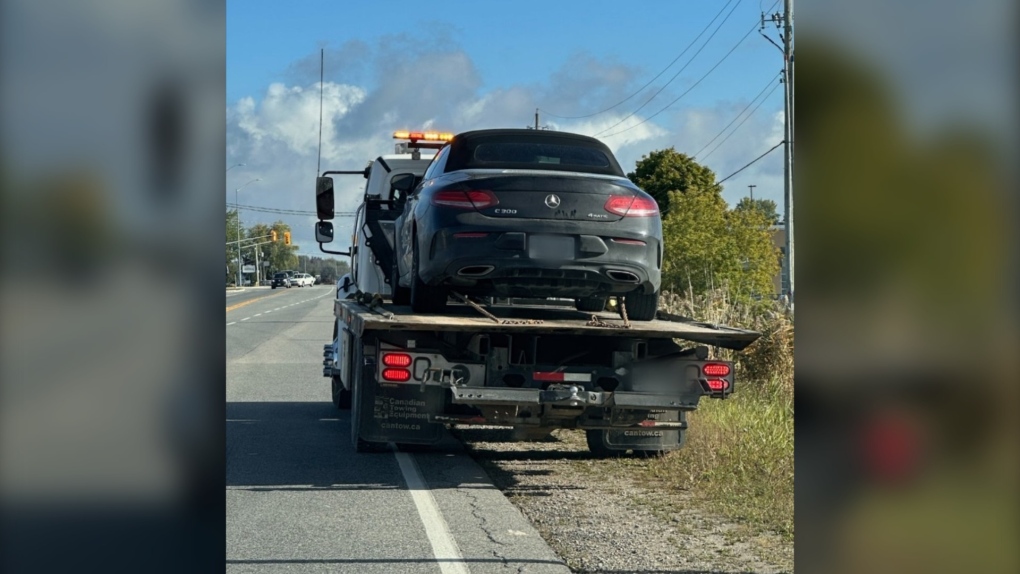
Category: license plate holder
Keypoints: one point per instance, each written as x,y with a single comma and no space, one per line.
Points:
551,247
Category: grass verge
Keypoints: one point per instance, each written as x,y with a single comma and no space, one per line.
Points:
739,452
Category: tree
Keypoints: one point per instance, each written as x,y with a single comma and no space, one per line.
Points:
706,244
766,207
664,171
280,257
231,248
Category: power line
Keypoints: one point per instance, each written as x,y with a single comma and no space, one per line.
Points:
712,69
285,211
641,89
748,116
719,27
749,104
771,149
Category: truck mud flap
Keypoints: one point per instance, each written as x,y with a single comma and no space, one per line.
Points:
400,413
651,440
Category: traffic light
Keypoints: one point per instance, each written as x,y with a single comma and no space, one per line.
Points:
286,238
273,234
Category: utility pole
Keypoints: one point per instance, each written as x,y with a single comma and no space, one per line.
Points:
784,22
788,179
751,187
536,118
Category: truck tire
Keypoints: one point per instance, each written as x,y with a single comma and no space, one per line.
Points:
597,444
642,306
592,304
401,295
341,396
424,298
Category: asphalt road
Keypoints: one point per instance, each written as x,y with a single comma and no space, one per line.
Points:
299,499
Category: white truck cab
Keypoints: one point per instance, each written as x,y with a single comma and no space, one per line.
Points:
372,246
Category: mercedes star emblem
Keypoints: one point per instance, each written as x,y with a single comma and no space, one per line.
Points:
552,201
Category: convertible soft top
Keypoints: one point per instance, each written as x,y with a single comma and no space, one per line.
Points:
531,149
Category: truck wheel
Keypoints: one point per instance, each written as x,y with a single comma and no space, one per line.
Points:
592,304
642,306
597,444
424,298
341,396
401,295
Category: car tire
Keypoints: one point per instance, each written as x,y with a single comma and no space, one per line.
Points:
592,304
424,298
642,306
401,295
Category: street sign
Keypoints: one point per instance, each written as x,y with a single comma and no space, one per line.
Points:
247,269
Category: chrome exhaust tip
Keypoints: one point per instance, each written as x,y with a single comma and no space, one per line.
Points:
623,276
475,270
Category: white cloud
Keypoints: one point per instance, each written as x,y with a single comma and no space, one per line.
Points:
276,133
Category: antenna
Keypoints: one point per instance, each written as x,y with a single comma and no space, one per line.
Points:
322,57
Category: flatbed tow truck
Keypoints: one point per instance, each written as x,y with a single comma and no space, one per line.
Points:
530,365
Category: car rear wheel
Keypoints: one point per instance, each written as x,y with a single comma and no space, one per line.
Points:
592,304
642,306
401,295
424,298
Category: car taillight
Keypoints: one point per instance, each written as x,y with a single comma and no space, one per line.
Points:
631,206
397,375
718,384
470,199
396,360
716,369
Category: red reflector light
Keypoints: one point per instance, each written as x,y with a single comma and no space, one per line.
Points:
718,384
631,206
552,377
396,360
470,235
716,369
629,241
475,198
398,375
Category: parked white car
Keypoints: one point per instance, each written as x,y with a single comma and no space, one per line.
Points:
302,280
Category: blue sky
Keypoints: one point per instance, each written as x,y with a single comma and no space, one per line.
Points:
459,65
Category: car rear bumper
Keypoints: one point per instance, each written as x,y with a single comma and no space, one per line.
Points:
613,261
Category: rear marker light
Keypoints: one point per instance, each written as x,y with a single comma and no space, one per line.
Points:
716,369
470,235
629,241
631,206
398,375
556,377
396,360
718,384
472,199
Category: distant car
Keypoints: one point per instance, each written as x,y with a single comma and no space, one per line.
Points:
303,280
281,279
528,213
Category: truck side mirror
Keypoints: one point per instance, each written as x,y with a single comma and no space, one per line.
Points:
324,199
403,182
324,232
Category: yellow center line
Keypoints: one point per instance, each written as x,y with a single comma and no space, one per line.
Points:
249,301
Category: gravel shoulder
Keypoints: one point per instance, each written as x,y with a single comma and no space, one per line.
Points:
604,516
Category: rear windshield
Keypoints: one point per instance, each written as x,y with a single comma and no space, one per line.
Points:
526,154
279,276
517,149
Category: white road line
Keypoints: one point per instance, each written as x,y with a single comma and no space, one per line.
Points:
268,312
231,323
246,318
257,315
444,547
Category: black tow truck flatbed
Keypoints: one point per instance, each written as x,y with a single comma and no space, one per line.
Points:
534,368
539,319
